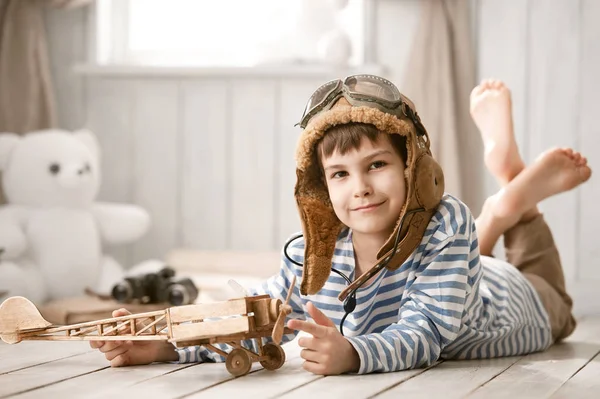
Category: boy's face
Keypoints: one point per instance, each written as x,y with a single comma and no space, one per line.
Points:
367,187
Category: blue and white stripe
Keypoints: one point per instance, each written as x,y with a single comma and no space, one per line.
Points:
446,301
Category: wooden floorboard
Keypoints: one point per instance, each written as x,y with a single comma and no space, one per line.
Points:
261,383
583,385
451,379
31,353
350,386
34,377
539,375
98,383
170,384
71,370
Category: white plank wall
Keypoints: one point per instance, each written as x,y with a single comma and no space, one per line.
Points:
252,162
589,140
156,163
204,172
212,160
109,106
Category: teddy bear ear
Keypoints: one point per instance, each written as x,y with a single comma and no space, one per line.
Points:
88,138
8,141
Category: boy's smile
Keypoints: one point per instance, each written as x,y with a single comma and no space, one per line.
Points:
367,187
368,207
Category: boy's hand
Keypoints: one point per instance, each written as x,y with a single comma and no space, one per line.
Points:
131,353
327,352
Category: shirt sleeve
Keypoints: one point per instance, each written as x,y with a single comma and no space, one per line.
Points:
431,309
276,287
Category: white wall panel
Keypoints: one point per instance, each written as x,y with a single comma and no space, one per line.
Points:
588,215
204,164
157,142
108,115
252,162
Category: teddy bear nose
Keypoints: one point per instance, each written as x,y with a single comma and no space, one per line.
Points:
86,169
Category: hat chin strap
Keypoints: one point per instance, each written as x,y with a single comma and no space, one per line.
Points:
407,246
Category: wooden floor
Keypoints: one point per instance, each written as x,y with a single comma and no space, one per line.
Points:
71,369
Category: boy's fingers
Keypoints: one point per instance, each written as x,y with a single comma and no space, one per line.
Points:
311,356
120,312
307,342
96,344
308,327
111,345
318,316
313,367
116,352
120,360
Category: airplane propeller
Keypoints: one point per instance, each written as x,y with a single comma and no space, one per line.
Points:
284,310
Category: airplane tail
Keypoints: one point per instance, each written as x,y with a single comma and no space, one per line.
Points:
18,314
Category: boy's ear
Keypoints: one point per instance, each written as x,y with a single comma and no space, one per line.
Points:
8,141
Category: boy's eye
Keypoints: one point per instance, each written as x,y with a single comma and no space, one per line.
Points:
339,174
378,164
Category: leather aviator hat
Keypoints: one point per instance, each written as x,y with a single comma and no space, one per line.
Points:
373,100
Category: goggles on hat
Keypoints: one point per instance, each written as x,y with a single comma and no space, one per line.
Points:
361,90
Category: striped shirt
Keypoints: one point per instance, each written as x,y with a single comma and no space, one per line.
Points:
444,302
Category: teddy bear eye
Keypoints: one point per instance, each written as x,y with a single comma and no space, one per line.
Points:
54,168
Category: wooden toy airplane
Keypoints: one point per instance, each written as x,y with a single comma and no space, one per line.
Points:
252,317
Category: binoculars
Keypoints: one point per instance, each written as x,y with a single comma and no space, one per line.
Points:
159,287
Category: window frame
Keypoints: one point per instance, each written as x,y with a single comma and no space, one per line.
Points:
108,41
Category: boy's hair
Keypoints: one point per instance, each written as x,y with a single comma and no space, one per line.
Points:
348,136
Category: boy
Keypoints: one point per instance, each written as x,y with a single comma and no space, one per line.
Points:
371,201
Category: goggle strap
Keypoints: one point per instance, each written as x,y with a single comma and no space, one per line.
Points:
414,117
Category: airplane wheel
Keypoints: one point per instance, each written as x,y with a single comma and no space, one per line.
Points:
238,362
276,356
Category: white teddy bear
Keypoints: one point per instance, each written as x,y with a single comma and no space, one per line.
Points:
51,230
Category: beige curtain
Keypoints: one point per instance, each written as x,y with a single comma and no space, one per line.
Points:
439,79
26,92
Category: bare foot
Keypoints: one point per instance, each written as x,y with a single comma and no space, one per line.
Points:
553,172
491,109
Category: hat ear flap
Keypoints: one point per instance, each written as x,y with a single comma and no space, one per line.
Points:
321,227
429,182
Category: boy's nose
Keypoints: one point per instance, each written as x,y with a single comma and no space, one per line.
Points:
363,188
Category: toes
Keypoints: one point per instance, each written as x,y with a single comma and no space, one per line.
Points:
567,152
486,84
477,90
497,84
585,173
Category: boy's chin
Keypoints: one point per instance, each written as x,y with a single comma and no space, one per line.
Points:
373,229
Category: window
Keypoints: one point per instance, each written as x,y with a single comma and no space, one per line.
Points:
224,32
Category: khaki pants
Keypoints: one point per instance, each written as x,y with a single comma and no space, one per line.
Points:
530,248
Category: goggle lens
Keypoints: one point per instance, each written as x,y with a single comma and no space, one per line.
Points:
320,95
373,86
